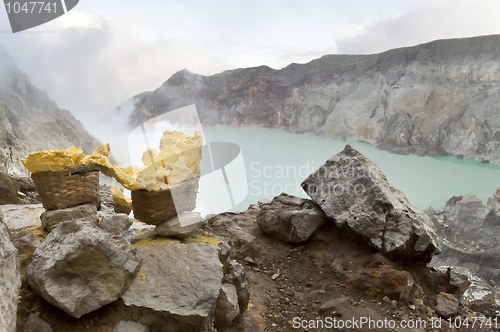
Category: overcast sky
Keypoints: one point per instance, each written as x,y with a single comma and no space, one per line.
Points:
105,51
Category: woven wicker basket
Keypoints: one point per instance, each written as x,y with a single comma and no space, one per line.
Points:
72,186
156,207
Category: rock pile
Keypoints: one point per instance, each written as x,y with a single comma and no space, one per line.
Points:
90,263
359,254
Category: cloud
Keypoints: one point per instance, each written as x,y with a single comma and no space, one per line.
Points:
431,20
92,64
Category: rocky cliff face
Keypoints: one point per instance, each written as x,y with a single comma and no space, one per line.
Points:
439,98
469,232
30,121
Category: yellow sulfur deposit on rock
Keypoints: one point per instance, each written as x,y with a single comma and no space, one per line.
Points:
99,156
53,160
119,198
178,160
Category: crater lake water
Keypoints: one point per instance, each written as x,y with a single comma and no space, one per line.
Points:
277,161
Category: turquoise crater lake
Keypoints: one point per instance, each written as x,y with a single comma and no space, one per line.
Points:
277,161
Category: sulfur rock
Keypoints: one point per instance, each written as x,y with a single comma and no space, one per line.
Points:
152,178
178,146
178,160
119,198
180,172
149,156
53,160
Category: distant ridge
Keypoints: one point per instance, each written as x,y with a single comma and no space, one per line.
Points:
438,98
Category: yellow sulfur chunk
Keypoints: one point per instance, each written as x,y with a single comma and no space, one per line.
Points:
53,160
99,156
178,160
176,145
76,154
180,172
119,198
126,177
147,179
146,157
161,176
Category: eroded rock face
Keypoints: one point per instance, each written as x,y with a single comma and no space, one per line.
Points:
469,232
179,284
474,292
79,268
290,219
10,281
354,192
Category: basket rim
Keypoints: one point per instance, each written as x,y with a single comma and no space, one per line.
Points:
80,168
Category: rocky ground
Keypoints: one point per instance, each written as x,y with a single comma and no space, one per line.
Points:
282,265
334,274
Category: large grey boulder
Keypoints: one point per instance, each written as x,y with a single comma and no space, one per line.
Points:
290,219
10,281
354,192
51,218
79,268
179,284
